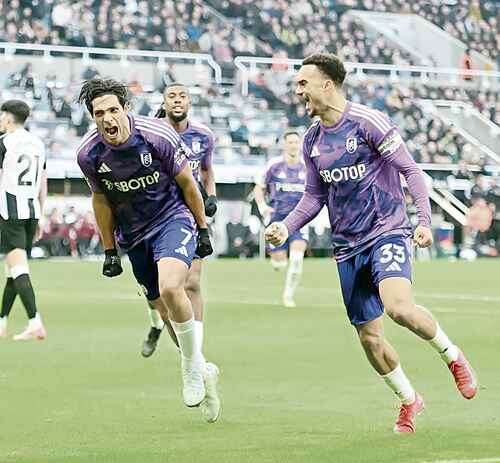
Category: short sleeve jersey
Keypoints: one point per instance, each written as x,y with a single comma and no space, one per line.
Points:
22,162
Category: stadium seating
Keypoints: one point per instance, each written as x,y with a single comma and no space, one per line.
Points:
301,26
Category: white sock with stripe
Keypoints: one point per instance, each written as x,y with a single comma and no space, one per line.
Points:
400,385
442,344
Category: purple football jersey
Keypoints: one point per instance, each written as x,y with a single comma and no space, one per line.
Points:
284,184
200,139
137,177
354,168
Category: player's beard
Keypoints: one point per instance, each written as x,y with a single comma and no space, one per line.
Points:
177,118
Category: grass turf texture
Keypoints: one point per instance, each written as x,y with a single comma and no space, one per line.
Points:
295,384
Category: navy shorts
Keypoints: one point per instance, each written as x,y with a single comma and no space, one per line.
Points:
299,235
361,274
177,239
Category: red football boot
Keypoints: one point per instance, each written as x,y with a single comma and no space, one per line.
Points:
464,375
408,415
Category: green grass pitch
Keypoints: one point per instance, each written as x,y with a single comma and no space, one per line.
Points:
295,384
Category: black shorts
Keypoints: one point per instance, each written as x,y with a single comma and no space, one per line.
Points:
17,234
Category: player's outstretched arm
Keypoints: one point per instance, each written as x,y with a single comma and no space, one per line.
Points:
260,199
208,180
307,209
104,219
402,160
112,266
194,201
192,195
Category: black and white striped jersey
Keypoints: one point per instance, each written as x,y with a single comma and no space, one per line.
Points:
22,161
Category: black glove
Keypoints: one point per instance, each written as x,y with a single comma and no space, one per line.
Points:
211,206
112,264
204,247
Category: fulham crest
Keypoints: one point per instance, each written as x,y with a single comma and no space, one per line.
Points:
146,159
351,144
196,145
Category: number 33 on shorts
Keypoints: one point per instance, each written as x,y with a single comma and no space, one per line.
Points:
393,257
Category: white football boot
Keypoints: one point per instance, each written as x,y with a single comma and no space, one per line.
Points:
211,406
193,390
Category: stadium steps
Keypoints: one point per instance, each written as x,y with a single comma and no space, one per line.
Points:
427,43
470,124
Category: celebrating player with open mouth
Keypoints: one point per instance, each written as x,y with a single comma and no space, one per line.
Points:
144,194
354,156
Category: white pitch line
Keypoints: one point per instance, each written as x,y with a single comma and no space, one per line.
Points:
459,297
477,460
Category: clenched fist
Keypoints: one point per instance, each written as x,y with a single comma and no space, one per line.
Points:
423,236
276,233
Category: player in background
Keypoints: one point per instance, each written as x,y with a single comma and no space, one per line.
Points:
23,189
283,182
354,156
200,139
146,200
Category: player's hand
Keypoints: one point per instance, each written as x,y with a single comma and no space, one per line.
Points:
204,247
211,206
423,236
276,233
112,263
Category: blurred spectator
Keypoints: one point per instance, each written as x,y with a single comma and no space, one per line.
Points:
466,65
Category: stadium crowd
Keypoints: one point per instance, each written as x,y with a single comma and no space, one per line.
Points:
182,25
298,26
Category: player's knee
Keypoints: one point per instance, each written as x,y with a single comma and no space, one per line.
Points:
400,310
193,285
371,341
171,291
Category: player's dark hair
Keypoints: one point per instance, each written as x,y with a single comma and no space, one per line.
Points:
329,64
19,109
289,133
174,84
94,88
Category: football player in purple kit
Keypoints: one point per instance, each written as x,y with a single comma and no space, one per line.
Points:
284,182
145,199
200,140
354,157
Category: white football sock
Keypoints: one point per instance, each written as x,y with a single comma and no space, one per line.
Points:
293,274
198,327
188,342
443,345
35,322
156,320
400,384
3,323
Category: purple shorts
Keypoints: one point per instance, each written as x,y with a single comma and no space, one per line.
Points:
361,274
177,239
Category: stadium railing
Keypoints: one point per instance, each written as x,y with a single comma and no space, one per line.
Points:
88,55
249,66
486,133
